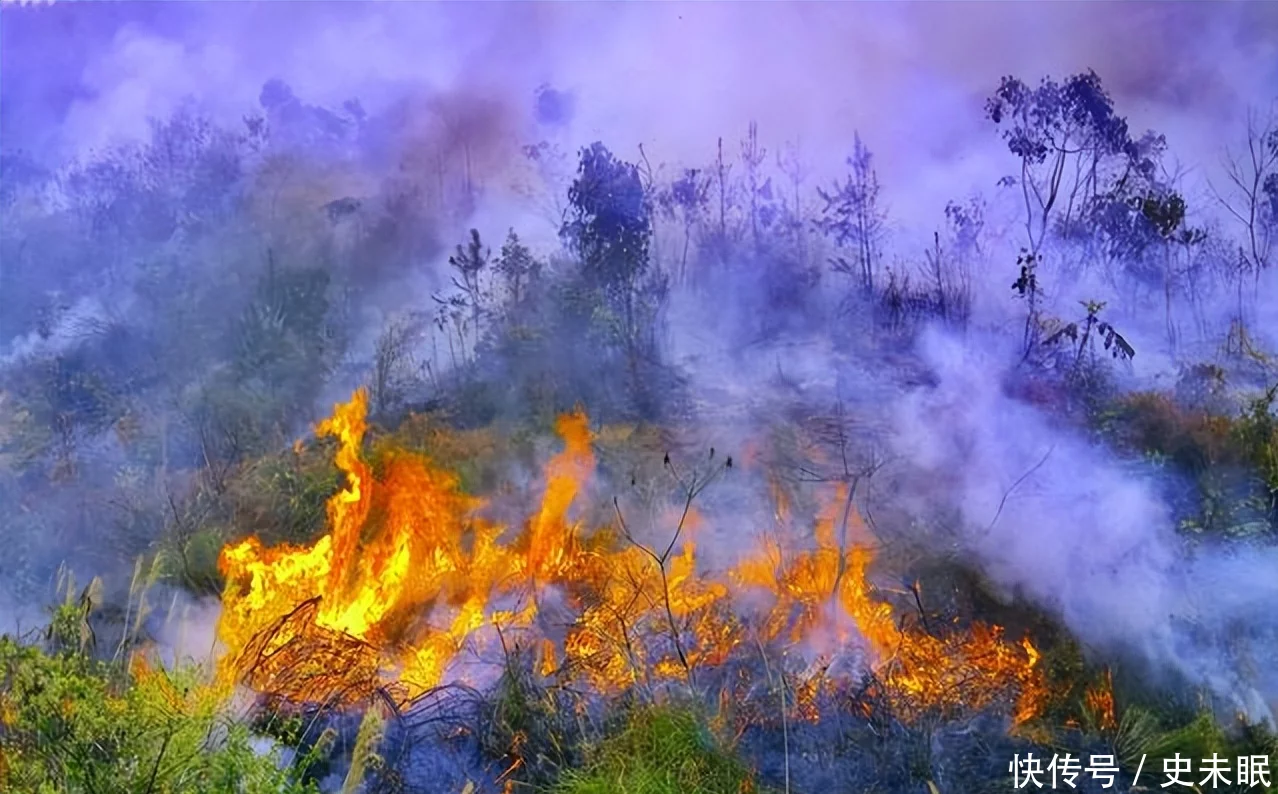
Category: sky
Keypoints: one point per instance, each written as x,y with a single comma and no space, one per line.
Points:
910,77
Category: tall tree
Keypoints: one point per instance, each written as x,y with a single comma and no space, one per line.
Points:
609,229
1066,137
470,262
686,201
1251,197
752,156
853,218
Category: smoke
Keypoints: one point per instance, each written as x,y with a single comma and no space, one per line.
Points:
911,77
184,628
1056,519
65,329
1045,512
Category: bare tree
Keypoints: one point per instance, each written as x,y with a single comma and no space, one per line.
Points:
790,162
1251,197
752,156
853,217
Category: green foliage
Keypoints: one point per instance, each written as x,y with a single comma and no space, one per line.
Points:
70,724
1212,448
660,750
1141,734
194,561
283,497
610,223
609,228
1256,432
286,346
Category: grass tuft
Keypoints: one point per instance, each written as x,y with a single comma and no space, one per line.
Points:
660,750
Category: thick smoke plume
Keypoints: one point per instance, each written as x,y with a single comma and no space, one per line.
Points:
1053,517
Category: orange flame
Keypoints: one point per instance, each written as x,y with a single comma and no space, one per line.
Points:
819,590
1099,699
408,575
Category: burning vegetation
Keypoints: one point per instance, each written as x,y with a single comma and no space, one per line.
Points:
410,576
476,615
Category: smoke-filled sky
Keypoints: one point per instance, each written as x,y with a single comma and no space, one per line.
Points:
911,77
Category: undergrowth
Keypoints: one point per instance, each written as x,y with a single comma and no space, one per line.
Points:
660,750
72,724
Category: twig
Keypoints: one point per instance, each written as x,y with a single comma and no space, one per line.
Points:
692,488
155,769
1015,485
918,601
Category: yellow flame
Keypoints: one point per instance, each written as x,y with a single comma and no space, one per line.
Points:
409,571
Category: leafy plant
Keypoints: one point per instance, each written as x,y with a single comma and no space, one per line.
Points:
75,725
660,750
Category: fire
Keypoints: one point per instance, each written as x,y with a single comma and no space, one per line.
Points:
409,575
412,521
825,590
1099,699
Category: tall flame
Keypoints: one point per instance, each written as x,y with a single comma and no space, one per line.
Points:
408,574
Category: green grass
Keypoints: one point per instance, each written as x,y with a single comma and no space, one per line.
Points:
660,750
70,724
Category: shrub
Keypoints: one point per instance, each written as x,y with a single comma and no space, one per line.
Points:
69,723
660,750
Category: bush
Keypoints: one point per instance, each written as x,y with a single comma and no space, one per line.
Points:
1232,460
72,724
660,750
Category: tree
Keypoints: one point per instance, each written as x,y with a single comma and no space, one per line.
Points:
517,267
609,229
686,200
791,164
852,216
1066,136
966,223
752,156
722,173
470,262
1165,217
1252,195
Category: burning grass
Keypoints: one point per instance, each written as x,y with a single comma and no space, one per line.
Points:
409,576
790,654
